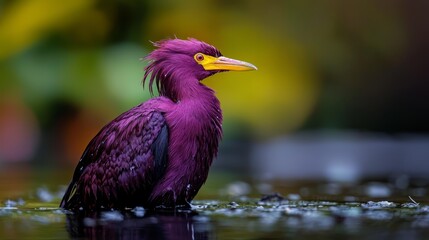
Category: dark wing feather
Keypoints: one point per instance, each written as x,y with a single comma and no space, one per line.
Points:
121,164
160,152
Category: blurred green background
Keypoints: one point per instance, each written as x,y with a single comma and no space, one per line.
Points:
69,67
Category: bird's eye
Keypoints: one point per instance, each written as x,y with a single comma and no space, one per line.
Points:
199,57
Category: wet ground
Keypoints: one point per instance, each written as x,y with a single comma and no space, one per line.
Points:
226,209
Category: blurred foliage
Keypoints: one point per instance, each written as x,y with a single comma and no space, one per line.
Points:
73,66
25,21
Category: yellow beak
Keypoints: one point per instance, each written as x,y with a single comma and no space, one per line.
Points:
224,63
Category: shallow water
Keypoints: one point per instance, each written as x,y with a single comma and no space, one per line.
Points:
224,209
246,219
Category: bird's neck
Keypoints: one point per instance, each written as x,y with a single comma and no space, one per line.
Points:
181,86
196,104
195,98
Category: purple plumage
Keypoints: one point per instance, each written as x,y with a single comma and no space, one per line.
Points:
157,154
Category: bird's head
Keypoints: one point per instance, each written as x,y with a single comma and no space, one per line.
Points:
176,59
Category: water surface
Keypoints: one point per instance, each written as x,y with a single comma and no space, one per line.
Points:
224,209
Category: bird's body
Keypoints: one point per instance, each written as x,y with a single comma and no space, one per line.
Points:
157,154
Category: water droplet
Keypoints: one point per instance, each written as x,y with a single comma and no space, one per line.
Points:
112,216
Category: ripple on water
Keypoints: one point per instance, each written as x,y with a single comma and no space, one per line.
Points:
378,205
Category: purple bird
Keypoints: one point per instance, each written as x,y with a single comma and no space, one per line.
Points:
157,154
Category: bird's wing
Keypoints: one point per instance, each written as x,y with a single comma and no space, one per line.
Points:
121,163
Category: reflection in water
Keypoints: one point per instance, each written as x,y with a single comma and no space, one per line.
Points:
155,225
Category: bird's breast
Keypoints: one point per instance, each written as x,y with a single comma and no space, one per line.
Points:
195,129
195,132
191,129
